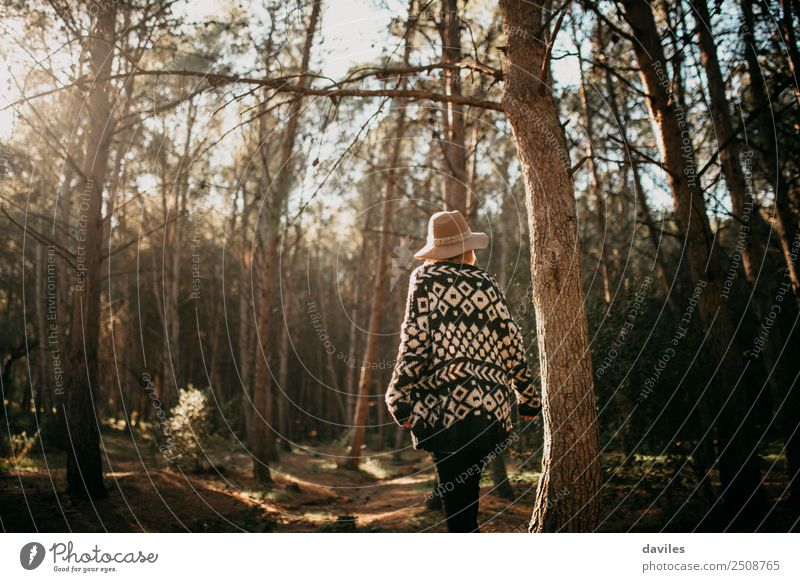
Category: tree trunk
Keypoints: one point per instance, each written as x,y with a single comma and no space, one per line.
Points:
246,311
790,39
570,468
664,276
378,299
782,370
739,464
262,434
597,183
84,462
786,225
454,142
742,201
381,276
787,231
43,394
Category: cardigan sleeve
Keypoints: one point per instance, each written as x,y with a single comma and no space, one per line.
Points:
414,352
528,393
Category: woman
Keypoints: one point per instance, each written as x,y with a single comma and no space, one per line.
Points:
460,365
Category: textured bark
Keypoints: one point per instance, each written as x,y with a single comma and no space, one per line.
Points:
739,464
84,463
568,495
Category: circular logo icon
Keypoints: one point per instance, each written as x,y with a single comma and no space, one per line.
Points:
31,555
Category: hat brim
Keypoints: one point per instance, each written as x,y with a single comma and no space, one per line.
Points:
476,241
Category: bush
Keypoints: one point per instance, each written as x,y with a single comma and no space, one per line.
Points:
188,430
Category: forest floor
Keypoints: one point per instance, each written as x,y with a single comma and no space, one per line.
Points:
310,494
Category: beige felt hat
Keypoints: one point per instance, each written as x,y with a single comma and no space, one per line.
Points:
449,236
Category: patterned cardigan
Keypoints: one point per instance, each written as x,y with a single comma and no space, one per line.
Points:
461,361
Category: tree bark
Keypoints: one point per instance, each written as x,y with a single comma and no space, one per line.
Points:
567,498
262,434
382,271
84,462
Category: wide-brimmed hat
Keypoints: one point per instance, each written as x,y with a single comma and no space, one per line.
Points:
449,236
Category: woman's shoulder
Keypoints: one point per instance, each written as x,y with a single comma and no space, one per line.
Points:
452,272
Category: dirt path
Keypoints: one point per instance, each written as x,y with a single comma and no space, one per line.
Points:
310,494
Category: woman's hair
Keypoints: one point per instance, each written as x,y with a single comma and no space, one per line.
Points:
465,257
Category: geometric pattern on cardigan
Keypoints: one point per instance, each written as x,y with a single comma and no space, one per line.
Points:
461,354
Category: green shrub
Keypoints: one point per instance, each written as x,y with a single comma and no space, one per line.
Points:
188,430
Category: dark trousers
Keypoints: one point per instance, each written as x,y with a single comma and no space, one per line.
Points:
459,476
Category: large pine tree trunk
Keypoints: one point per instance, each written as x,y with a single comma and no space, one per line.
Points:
84,462
571,467
739,464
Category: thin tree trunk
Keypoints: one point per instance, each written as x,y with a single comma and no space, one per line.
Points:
454,143
245,335
43,392
664,275
597,184
739,463
262,436
786,225
381,276
570,468
789,35
378,298
353,343
742,201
